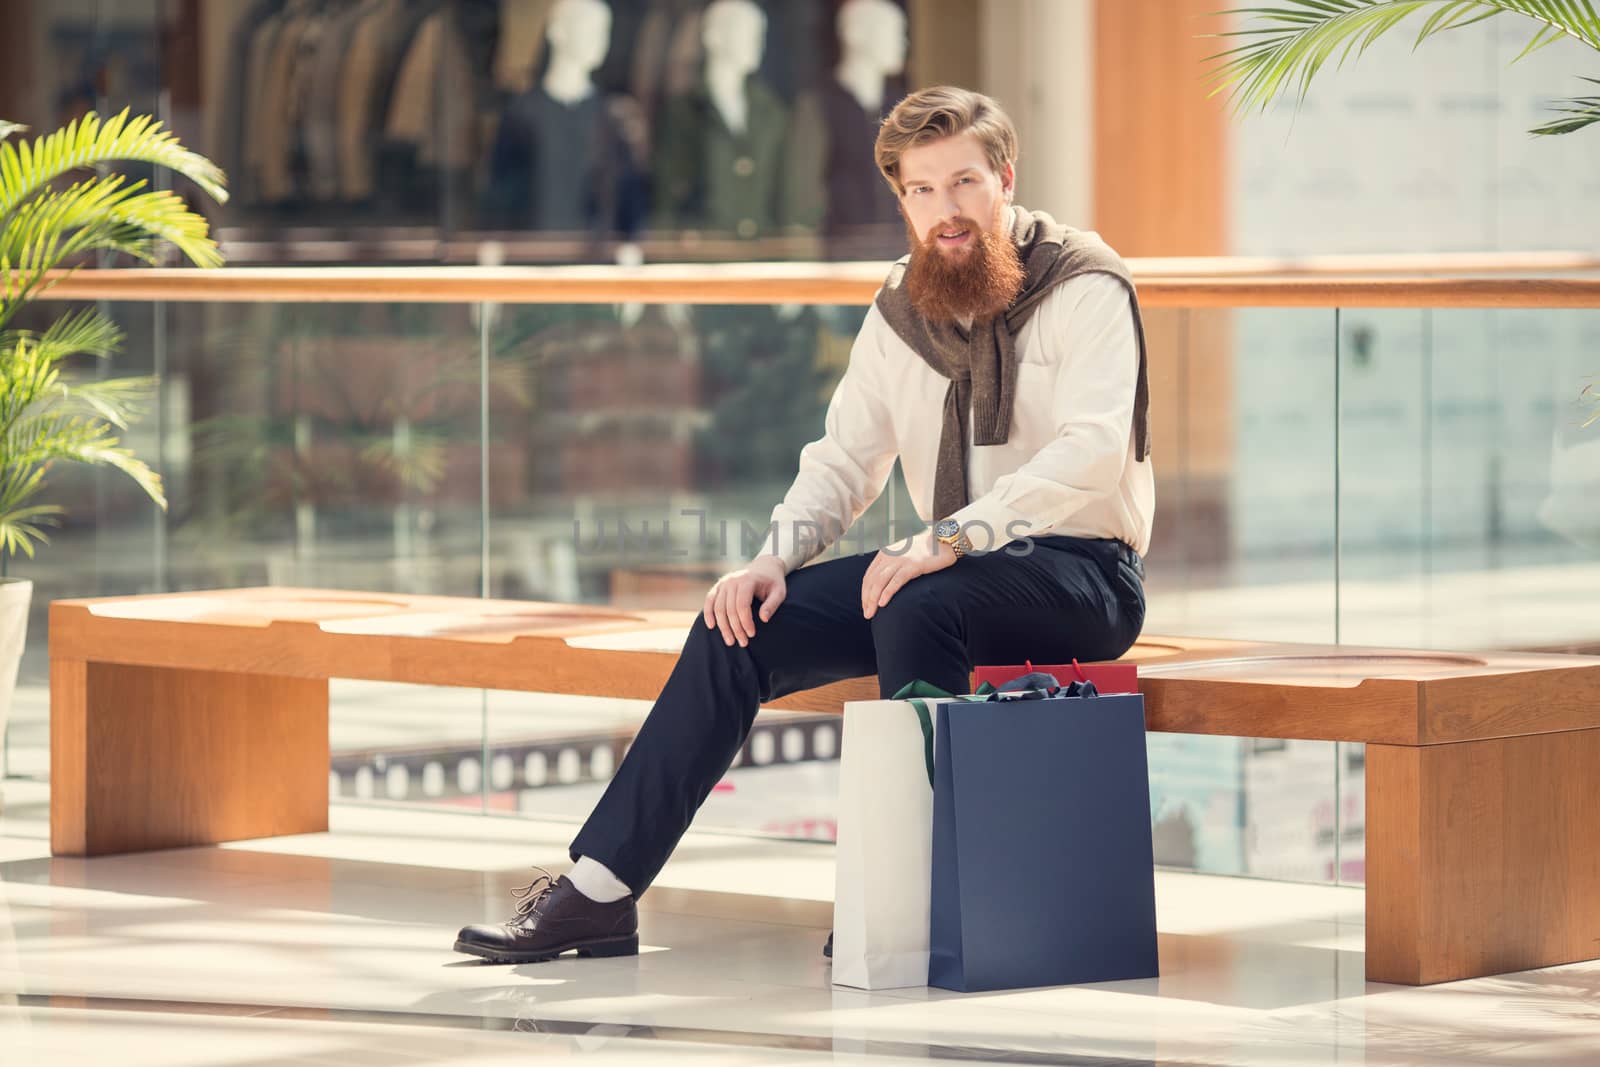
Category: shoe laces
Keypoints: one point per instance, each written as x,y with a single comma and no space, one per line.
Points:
530,896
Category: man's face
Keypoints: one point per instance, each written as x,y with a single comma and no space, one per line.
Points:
964,264
949,190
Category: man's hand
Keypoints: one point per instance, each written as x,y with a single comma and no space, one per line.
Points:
728,604
899,563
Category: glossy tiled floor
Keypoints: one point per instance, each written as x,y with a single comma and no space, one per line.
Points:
335,949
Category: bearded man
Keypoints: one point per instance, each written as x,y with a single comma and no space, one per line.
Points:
1003,364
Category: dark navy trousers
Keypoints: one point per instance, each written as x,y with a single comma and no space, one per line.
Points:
1066,598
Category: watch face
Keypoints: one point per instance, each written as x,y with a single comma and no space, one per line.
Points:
947,528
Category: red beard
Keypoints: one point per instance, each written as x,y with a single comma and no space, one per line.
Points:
976,283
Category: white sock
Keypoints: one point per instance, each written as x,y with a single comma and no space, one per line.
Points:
594,880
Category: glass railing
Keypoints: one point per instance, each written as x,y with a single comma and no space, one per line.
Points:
1395,462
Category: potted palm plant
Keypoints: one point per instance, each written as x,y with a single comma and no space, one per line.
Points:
60,204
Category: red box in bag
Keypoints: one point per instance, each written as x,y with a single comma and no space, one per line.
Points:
1107,677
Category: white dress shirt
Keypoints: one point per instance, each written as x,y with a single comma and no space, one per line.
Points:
1068,466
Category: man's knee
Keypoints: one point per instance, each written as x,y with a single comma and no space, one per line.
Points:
919,607
706,643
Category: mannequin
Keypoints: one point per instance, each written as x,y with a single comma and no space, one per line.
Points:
734,34
562,159
719,157
579,36
837,184
872,47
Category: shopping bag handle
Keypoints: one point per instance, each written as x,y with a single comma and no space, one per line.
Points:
917,693
1077,668
1027,669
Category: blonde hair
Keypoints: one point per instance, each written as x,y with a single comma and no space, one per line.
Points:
940,112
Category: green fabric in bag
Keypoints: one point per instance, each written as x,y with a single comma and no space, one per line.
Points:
918,693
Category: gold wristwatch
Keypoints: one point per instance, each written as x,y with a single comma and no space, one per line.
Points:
948,531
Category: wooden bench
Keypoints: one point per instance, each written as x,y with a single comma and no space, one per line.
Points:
195,718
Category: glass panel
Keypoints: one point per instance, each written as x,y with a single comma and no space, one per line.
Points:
1242,421
338,446
333,446
1391,497
1528,576
1387,494
343,446
657,444
1236,805
1468,489
1242,416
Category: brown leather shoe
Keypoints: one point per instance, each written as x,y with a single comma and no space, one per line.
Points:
552,918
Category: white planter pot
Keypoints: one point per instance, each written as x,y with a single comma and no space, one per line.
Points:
15,594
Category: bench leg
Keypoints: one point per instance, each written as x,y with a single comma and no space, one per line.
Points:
152,757
1481,857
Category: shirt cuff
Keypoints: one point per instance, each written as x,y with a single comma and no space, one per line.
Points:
789,549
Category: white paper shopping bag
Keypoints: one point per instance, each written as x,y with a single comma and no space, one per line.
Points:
885,846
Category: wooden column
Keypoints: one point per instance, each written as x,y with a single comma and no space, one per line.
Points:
1160,145
1481,857
153,757
1161,188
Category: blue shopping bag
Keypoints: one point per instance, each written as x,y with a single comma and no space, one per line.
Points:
1042,865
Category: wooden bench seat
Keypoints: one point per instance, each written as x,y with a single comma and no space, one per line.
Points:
195,718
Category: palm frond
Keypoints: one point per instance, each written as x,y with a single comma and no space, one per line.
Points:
17,484
118,401
45,418
86,331
27,166
21,522
32,385
21,529
41,231
1545,37
165,217
109,454
9,128
102,214
43,439
1287,46
1581,111
25,379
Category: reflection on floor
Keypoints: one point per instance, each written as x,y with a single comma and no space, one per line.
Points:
335,948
